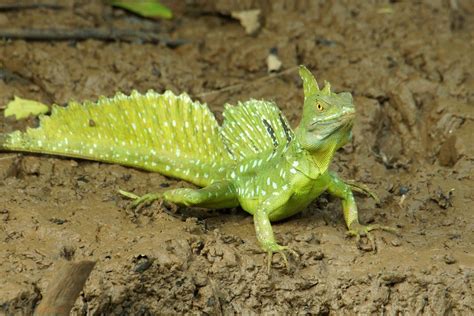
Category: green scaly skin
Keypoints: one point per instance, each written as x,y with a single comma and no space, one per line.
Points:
254,160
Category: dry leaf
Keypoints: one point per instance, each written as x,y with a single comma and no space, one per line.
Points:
22,108
249,19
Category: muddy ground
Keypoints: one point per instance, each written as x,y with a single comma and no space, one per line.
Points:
409,66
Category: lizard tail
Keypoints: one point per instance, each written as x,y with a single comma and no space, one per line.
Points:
157,132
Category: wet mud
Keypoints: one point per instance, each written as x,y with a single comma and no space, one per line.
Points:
409,66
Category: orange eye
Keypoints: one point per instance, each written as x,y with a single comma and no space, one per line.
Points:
319,107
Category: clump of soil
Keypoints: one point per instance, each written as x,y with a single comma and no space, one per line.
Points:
408,65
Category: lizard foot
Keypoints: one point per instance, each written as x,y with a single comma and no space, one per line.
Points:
141,201
357,230
276,248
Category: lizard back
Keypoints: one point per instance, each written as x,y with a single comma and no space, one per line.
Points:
254,129
157,132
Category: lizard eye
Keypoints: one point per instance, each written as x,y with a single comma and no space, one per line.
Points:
320,107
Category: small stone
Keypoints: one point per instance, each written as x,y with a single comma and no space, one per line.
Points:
67,252
318,255
143,263
403,190
8,166
58,221
391,278
4,215
396,242
448,153
31,166
449,259
273,63
306,237
200,279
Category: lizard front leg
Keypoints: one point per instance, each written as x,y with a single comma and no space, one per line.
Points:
263,227
339,188
220,194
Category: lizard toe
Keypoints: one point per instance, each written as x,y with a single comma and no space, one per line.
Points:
357,230
145,200
275,248
140,201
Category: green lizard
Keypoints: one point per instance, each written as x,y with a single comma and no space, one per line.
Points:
254,159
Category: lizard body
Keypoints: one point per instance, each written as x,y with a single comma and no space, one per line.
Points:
254,159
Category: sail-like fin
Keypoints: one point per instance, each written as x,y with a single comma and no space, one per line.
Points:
254,127
158,132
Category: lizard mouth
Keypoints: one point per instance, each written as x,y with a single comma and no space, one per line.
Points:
344,120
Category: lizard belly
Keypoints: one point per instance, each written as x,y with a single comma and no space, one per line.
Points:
299,200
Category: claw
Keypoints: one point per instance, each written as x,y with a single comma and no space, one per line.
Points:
357,230
140,201
280,250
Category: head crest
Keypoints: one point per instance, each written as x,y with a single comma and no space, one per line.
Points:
327,88
310,85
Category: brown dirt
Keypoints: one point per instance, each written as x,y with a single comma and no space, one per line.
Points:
409,65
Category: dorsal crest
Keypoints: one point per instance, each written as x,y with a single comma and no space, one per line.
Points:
254,127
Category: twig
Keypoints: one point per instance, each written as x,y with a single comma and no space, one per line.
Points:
240,85
23,6
88,33
65,288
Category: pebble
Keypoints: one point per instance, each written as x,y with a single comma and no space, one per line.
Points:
396,242
449,259
8,166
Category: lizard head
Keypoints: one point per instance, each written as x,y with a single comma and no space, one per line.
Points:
327,116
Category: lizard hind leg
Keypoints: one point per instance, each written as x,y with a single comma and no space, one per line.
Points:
219,194
363,189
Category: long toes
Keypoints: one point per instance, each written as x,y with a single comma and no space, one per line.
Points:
280,250
269,261
129,195
283,255
293,252
385,228
139,206
138,202
391,230
373,245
